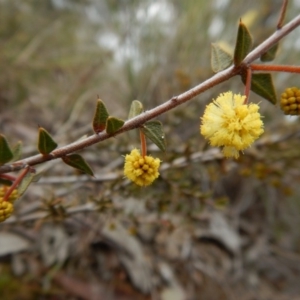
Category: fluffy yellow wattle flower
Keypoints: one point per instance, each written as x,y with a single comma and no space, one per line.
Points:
141,170
231,124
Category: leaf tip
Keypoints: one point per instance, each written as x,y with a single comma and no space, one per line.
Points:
46,144
100,116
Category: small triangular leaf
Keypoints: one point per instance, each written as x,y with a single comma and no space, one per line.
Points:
243,44
262,84
154,131
270,54
136,108
6,153
113,124
220,59
25,183
100,117
45,143
17,151
76,161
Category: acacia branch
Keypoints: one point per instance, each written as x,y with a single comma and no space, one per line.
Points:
166,106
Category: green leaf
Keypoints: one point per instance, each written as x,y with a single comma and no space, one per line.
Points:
136,108
5,152
5,181
113,124
262,84
76,161
100,117
25,183
17,151
220,59
243,44
270,54
45,143
154,131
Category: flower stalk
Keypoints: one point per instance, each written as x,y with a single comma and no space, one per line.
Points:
275,68
143,143
248,84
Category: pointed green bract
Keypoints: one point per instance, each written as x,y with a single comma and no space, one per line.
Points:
220,59
136,108
17,151
100,117
25,183
154,131
6,153
243,44
270,54
262,84
76,161
113,124
45,143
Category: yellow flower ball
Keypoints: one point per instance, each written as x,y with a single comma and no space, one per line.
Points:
6,209
290,101
141,170
229,123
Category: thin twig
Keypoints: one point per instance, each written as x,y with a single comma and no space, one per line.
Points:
88,207
282,14
8,177
275,68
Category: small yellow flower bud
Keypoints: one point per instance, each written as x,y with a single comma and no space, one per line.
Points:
6,209
290,101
